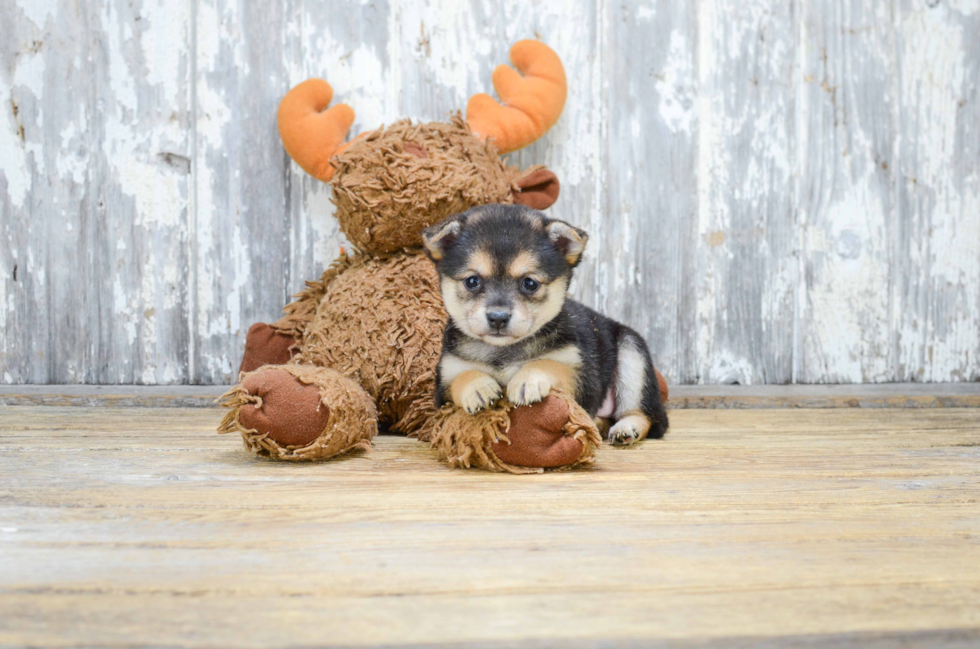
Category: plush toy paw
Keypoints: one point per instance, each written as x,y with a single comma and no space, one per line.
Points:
481,392
529,385
536,437
555,432
265,346
299,412
285,410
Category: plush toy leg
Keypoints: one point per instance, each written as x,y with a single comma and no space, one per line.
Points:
553,433
265,345
299,412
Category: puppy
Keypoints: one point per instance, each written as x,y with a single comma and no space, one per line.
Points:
505,271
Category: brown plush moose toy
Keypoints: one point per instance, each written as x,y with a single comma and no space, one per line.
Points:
360,346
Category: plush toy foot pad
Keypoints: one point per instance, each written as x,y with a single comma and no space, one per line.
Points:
300,412
536,437
286,411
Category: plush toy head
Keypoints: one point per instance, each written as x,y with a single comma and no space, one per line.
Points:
392,183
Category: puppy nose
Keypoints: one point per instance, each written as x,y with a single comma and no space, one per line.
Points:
498,319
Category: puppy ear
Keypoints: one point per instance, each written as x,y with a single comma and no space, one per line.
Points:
437,238
568,239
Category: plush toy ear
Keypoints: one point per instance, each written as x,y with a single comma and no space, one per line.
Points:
537,188
568,239
437,238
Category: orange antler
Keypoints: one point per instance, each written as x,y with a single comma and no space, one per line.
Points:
312,137
532,103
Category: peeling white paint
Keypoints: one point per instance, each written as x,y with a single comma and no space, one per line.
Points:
645,13
20,145
38,11
712,172
162,25
943,343
965,7
445,43
727,367
675,84
13,156
851,339
749,116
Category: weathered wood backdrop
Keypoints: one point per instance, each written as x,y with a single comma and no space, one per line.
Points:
777,190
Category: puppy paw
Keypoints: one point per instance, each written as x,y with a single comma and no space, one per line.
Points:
624,433
529,386
478,394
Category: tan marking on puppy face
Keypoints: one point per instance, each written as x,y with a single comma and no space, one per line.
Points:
553,299
524,264
528,312
475,214
469,313
454,298
534,219
481,262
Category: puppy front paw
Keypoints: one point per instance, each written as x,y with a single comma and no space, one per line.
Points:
528,386
479,393
624,433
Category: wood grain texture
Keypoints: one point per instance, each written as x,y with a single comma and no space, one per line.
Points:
150,529
241,242
746,218
850,395
95,156
848,94
937,271
646,238
776,192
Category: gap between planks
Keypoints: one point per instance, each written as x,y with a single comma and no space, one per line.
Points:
682,397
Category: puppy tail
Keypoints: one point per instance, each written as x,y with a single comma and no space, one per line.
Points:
658,422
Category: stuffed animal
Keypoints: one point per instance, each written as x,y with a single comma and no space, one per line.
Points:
360,346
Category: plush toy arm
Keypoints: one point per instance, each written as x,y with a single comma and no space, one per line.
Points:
299,314
532,103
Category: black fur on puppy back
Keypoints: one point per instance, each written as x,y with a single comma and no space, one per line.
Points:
599,339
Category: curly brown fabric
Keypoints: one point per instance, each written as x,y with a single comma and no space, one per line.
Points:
387,192
469,441
299,314
380,324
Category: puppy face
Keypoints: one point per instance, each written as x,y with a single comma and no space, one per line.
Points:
504,269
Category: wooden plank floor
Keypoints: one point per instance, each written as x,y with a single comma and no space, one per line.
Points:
132,526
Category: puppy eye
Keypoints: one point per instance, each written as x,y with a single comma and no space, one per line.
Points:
472,282
530,284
